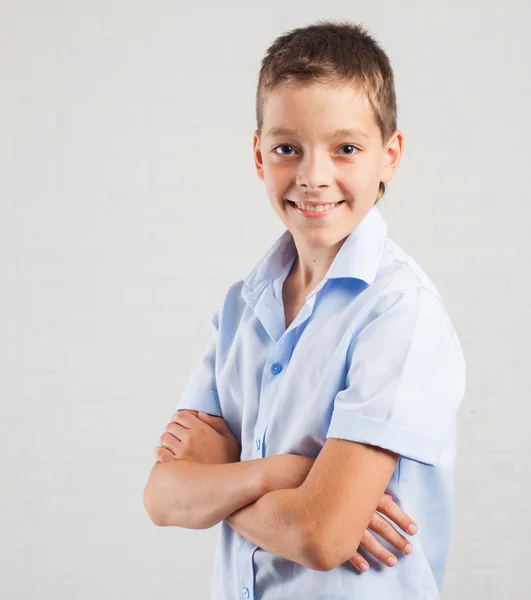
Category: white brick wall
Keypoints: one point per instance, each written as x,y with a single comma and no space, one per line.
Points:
127,192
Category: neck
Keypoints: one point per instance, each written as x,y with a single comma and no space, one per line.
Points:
311,264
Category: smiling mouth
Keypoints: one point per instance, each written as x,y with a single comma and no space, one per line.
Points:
313,207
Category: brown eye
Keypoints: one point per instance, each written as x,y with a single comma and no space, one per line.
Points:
354,149
282,146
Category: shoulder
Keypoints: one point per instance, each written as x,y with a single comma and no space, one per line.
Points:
404,297
399,270
402,281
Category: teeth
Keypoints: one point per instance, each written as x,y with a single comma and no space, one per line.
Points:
312,208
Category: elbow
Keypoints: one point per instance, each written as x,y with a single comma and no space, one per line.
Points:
155,498
164,514
322,553
316,558
153,507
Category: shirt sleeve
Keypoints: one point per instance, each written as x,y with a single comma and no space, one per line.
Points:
200,391
405,380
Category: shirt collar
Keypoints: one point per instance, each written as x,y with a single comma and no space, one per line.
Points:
358,257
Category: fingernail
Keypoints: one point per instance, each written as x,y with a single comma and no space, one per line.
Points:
412,529
364,567
408,549
391,561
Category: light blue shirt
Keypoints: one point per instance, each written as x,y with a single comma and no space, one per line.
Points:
371,357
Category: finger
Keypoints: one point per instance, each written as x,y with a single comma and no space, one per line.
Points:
186,410
390,509
185,419
170,441
168,454
162,454
371,544
205,421
359,562
386,530
217,423
176,429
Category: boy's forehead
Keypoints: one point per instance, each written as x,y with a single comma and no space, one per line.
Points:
332,110
276,131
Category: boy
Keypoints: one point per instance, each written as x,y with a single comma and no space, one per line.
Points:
334,372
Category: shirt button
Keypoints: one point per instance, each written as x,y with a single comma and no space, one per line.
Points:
258,444
276,368
245,592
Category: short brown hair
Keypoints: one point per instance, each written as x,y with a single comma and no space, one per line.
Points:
332,52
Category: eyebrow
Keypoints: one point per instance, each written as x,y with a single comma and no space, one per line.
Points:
279,131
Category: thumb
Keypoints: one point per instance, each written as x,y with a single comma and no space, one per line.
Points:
216,423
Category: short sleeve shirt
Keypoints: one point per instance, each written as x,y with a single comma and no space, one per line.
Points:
371,357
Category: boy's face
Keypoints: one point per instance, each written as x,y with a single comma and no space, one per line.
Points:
310,163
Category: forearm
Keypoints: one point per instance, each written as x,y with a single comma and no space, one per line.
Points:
277,522
197,495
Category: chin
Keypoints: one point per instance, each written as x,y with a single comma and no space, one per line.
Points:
319,238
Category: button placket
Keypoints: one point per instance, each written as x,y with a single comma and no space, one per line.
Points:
281,353
276,368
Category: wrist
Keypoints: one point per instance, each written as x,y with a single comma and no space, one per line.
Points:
260,483
268,466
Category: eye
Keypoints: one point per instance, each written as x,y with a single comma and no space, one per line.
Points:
282,146
354,149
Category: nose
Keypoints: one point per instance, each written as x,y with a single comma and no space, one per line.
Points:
314,172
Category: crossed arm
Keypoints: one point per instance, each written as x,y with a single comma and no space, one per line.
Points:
320,524
195,495
318,521
236,492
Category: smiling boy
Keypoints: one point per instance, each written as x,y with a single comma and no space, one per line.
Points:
334,359
320,186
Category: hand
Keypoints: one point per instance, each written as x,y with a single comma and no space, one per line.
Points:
388,532
290,471
198,438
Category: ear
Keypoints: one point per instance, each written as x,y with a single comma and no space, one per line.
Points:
392,155
258,160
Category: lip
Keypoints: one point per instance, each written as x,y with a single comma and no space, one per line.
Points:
311,214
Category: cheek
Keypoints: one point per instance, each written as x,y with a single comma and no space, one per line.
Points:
353,180
277,180
272,187
362,175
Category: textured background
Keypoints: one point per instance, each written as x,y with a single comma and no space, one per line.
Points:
129,203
